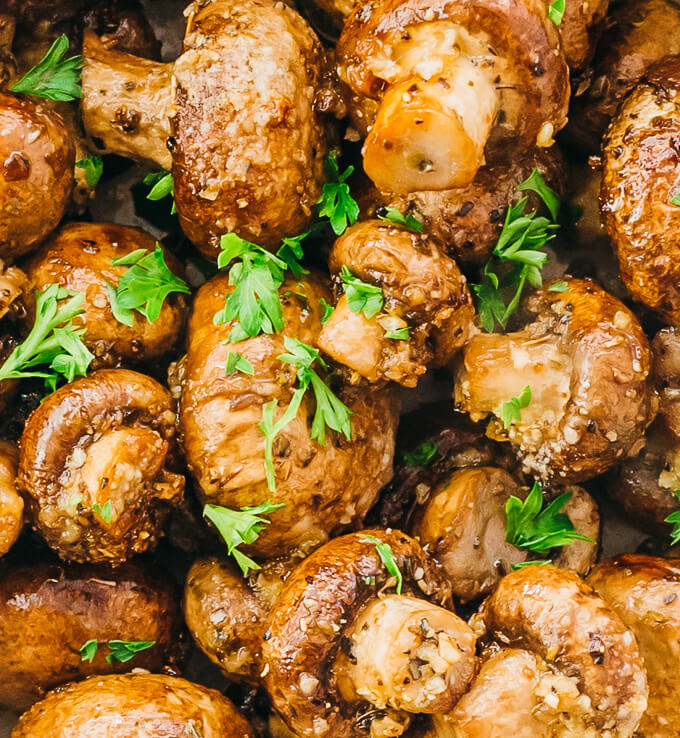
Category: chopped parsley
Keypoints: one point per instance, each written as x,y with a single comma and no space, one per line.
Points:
556,11
238,363
362,297
53,340
162,186
93,167
384,551
327,310
240,526
537,562
125,651
421,455
674,518
401,334
540,530
104,511
336,202
88,650
54,77
392,215
558,287
675,200
511,411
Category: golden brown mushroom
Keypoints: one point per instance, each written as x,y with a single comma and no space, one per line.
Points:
423,292
11,503
644,591
233,117
36,179
341,659
97,466
326,488
48,612
79,257
123,705
440,86
641,179
587,363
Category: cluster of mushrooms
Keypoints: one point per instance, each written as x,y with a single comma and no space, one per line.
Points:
336,437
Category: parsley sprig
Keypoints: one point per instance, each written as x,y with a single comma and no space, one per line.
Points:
511,411
674,518
330,411
384,551
54,77
362,297
556,11
336,202
540,530
53,341
519,248
162,186
240,526
392,215
93,167
144,286
122,651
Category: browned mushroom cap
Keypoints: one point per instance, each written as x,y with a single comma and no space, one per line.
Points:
143,705
423,292
644,485
666,374
553,613
587,361
94,466
79,257
580,29
456,81
37,174
227,613
247,148
463,525
48,612
326,487
644,591
639,33
334,643
467,222
11,504
641,177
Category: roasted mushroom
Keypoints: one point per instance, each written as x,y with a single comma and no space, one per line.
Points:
644,591
440,87
638,33
426,314
54,611
80,257
464,526
586,361
143,705
11,503
236,112
325,487
97,466
641,179
567,665
341,659
36,181
666,373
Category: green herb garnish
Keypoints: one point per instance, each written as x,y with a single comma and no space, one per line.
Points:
240,526
104,511
125,651
327,310
393,215
511,411
336,203
162,186
238,363
387,557
362,297
537,562
53,341
421,455
674,518
93,167
675,200
54,77
558,287
540,530
144,286
88,650
556,11
401,334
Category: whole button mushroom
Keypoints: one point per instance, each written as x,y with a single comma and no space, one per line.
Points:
426,314
11,503
644,591
567,665
464,525
439,86
641,189
341,659
80,257
97,466
53,611
140,704
236,111
36,173
586,362
325,487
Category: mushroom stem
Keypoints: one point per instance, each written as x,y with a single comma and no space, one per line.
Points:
430,133
127,102
407,654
